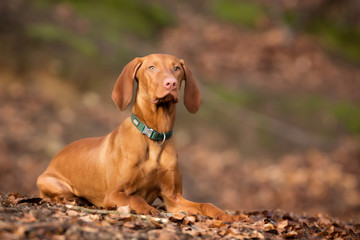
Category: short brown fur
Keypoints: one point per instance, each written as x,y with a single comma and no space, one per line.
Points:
125,169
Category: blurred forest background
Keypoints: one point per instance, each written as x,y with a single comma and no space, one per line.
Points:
280,121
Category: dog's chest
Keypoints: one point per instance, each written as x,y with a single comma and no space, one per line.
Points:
147,174
149,169
146,181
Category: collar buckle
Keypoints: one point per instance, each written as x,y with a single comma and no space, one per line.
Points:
147,131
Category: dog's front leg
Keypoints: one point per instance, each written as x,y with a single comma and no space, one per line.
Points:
125,203
177,203
174,202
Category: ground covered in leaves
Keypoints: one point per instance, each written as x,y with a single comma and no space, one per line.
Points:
35,218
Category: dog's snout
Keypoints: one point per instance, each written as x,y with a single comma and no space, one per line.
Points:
170,83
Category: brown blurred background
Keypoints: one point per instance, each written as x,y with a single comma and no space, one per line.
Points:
280,121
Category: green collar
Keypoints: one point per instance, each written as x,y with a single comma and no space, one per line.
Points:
149,132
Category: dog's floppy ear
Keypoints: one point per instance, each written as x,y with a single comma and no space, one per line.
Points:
192,97
123,90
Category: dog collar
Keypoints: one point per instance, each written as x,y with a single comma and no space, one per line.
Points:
149,132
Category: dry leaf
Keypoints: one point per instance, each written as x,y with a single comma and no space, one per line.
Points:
256,234
283,224
166,235
89,229
58,237
126,217
159,220
72,213
28,218
89,218
177,217
324,219
129,224
268,227
189,220
291,234
232,232
216,223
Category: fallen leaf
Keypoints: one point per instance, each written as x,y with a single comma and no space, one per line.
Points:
191,231
268,227
60,215
58,237
13,198
28,218
89,218
165,235
72,213
129,224
283,224
216,223
178,217
159,220
324,219
89,229
189,220
291,234
232,232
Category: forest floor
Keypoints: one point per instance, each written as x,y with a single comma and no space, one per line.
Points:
35,218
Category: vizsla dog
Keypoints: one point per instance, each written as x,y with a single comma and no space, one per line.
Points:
137,162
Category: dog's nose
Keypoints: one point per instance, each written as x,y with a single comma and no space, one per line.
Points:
170,83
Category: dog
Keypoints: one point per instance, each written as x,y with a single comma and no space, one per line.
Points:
137,162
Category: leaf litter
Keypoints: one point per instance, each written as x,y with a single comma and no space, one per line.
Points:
25,217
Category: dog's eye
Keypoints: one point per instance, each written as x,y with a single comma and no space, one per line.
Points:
176,68
152,68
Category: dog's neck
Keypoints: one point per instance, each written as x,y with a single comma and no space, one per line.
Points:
159,117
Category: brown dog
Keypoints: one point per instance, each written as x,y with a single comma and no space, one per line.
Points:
133,165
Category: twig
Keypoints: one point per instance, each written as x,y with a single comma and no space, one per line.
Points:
135,216
98,211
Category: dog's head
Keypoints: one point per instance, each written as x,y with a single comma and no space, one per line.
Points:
159,79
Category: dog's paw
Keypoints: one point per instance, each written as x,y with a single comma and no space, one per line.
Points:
148,211
154,212
227,218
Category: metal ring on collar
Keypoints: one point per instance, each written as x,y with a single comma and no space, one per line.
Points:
162,140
